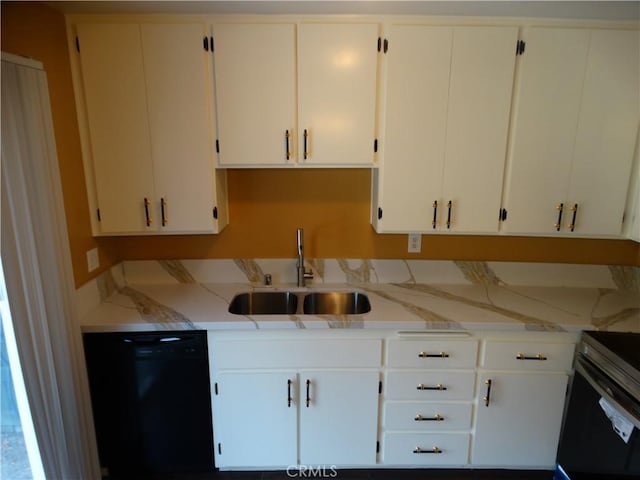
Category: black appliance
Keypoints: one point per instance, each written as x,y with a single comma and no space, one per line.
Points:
151,399
600,438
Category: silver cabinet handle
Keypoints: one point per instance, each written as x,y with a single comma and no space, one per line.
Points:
433,450
433,355
435,214
487,397
436,418
286,144
147,214
558,224
163,210
438,386
572,225
306,135
538,356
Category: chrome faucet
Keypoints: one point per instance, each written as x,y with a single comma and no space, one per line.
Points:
302,273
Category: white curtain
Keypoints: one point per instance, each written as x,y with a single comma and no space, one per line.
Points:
39,280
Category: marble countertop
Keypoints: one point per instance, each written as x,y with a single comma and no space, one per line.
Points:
398,306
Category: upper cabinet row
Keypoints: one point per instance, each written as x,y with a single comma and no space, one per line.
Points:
259,69
573,118
469,129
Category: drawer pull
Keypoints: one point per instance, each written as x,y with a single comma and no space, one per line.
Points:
433,450
522,356
439,386
436,418
433,355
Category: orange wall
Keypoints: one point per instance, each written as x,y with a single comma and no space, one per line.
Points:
36,31
265,206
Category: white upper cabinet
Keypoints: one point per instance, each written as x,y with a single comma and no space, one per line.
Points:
296,94
448,93
482,67
256,86
418,67
575,125
148,102
116,105
337,68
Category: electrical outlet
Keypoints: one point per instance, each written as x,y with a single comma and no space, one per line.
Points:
415,243
93,261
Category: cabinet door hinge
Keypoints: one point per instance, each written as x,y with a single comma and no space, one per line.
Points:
502,215
379,387
215,216
98,215
520,47
77,44
375,146
215,388
379,213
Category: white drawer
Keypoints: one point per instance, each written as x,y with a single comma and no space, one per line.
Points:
330,353
426,449
432,353
531,356
423,416
433,386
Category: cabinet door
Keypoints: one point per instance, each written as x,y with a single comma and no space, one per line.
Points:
255,424
417,92
113,78
179,91
337,71
255,90
521,424
606,134
547,105
339,423
482,67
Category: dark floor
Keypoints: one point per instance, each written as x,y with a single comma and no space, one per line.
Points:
381,474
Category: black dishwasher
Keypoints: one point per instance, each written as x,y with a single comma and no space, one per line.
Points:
151,399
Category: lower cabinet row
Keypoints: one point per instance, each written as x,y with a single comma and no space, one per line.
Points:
496,406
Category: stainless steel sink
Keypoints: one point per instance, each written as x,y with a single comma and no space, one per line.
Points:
309,303
264,303
336,303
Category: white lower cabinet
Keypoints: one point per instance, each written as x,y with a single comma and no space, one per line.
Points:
519,424
491,400
255,423
519,403
269,417
338,417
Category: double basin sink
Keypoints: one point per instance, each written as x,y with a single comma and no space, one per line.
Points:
302,303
